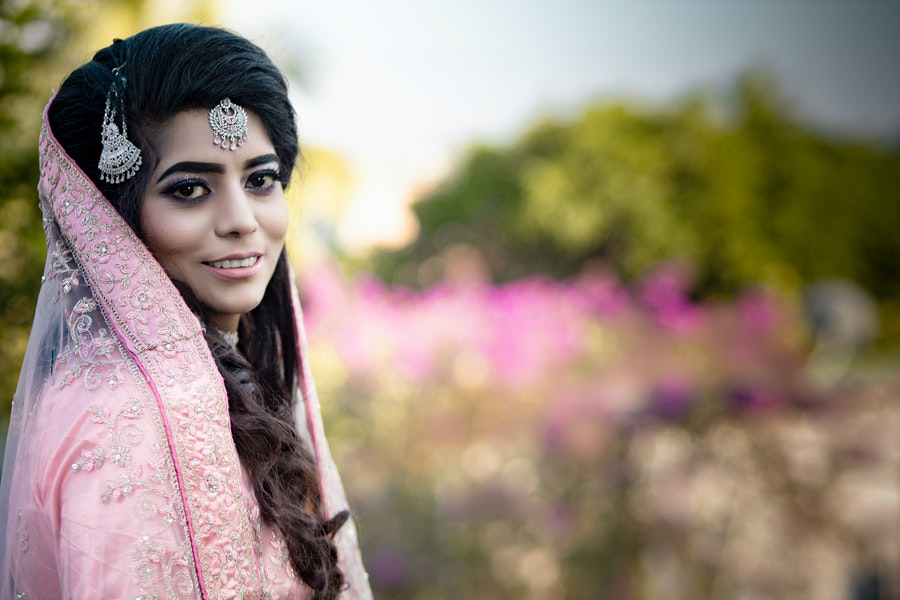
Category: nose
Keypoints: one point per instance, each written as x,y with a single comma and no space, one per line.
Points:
235,214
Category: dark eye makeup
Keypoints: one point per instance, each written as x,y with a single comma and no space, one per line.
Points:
194,189
187,190
263,181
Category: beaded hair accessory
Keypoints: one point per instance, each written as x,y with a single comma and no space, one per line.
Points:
119,159
229,124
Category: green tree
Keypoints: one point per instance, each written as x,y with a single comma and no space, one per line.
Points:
747,195
31,34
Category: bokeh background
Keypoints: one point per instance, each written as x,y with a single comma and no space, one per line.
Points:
603,297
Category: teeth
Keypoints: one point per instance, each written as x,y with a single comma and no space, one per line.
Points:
235,264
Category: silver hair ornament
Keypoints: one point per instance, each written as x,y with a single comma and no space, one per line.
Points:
120,159
229,124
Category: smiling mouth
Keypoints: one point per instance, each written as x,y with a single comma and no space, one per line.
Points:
234,263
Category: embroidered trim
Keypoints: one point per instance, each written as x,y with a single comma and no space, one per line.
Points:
170,352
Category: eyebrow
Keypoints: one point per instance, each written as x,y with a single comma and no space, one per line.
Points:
189,166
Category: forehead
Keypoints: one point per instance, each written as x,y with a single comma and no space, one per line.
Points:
188,136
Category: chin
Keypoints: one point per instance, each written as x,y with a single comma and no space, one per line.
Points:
234,308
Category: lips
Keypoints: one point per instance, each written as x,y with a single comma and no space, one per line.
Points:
234,263
235,266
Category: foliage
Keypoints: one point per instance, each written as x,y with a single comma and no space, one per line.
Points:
587,439
31,34
751,196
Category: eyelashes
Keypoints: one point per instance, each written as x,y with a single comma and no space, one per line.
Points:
263,181
194,189
187,190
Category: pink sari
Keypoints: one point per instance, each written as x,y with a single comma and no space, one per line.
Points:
121,479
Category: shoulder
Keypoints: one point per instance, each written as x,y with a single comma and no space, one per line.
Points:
98,472
79,429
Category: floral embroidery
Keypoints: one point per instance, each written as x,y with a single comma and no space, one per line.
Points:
63,270
102,250
90,221
89,353
279,579
122,438
280,555
212,486
277,572
90,460
142,303
118,489
153,565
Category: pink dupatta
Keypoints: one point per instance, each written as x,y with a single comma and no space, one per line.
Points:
121,478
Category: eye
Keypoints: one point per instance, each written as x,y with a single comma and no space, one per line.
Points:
188,190
262,180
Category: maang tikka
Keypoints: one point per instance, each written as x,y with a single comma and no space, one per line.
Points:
229,124
119,158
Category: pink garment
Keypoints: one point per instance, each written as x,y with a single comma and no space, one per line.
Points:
121,479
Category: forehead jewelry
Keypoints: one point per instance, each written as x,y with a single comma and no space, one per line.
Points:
119,158
229,124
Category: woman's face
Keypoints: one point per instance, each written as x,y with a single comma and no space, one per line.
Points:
215,219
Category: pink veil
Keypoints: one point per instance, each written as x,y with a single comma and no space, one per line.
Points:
119,446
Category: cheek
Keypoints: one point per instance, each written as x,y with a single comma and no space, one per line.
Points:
168,236
275,221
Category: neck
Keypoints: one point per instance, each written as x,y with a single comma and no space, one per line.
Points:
225,322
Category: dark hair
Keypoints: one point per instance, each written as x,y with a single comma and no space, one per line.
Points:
174,68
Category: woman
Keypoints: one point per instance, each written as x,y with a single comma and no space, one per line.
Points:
165,440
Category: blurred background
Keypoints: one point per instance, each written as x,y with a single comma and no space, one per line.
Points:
603,297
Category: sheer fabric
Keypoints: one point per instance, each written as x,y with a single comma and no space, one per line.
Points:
121,479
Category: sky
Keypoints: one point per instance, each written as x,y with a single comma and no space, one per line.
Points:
401,87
